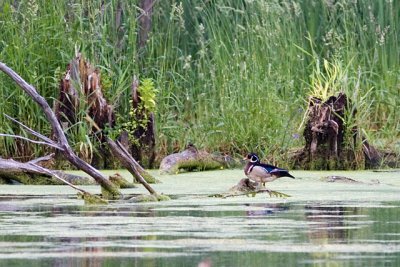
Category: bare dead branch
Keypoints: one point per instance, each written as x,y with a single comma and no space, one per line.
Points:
40,136
45,158
30,140
129,163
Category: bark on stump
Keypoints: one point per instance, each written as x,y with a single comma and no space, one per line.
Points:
80,89
329,143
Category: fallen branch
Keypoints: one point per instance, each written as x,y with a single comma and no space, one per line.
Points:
32,173
130,164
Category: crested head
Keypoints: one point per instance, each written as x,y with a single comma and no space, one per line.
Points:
252,157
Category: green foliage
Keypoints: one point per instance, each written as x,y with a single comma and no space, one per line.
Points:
137,117
147,95
232,75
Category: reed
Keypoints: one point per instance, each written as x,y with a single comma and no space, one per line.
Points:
233,76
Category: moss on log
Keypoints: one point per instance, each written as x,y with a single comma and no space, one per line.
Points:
150,198
193,159
92,199
12,171
121,181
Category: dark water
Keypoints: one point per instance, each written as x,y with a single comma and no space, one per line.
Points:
60,231
321,224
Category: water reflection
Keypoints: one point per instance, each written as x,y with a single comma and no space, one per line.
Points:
328,223
215,233
260,210
331,224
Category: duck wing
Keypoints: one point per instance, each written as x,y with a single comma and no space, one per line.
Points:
273,170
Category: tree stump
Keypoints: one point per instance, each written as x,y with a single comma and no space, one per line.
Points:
80,89
329,144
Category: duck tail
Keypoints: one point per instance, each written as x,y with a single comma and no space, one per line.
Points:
289,175
283,173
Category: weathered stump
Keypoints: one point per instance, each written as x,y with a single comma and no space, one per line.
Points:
80,89
329,143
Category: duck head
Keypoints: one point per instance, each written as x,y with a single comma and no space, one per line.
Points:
252,157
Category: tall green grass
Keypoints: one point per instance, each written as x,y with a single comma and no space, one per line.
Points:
233,76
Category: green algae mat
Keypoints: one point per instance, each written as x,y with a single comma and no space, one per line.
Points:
322,223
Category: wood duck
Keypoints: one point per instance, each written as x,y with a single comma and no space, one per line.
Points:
262,173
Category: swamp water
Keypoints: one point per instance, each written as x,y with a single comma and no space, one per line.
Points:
321,224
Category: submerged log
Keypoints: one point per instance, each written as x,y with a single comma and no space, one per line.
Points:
250,188
32,173
329,143
193,159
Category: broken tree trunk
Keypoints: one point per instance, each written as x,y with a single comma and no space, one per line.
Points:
146,11
80,89
329,143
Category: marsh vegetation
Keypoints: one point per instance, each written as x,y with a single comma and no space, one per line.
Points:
231,76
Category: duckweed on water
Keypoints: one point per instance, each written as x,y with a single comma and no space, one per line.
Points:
321,223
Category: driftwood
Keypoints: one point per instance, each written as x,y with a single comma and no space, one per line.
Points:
32,172
329,144
249,188
193,159
60,142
